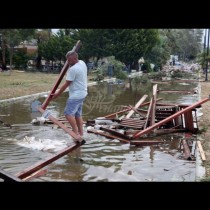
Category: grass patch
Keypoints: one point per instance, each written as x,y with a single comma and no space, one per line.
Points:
18,84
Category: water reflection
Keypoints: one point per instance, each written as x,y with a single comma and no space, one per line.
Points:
100,159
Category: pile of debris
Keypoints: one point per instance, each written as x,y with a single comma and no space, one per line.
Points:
146,119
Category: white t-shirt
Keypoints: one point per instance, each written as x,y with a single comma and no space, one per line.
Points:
78,75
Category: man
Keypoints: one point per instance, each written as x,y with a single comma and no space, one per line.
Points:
76,80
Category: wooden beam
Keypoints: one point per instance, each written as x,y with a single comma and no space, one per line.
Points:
37,166
131,112
147,130
58,81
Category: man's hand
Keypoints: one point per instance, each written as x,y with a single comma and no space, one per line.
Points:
53,96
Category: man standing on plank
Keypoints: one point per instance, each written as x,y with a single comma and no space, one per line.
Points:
76,80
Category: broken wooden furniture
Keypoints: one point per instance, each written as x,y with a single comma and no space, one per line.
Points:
158,118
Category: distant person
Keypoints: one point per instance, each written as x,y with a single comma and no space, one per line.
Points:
76,80
110,70
174,62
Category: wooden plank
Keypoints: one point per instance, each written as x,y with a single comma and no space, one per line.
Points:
170,130
203,157
60,124
148,114
116,113
108,135
145,142
133,123
61,75
114,132
37,166
7,177
154,97
147,130
176,91
131,112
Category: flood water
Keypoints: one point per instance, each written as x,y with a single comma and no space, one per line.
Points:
100,159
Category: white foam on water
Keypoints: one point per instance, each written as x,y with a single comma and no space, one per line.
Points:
43,144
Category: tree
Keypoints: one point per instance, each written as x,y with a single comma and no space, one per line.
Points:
12,38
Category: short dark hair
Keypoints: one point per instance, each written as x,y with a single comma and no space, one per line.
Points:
69,53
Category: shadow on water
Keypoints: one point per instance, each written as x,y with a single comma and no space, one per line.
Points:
100,159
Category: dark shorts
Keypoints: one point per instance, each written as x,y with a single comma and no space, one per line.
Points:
74,107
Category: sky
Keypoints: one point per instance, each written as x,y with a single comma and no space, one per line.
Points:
55,30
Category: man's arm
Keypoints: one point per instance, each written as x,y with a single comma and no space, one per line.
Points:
63,87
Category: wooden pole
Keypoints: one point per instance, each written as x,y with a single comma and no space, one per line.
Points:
28,171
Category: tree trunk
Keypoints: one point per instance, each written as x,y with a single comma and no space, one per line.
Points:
11,56
4,67
38,62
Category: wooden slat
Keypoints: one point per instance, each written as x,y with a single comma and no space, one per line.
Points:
154,97
37,166
116,113
176,91
133,123
203,157
170,130
148,114
131,112
108,135
114,132
145,142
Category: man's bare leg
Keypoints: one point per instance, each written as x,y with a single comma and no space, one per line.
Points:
79,122
73,123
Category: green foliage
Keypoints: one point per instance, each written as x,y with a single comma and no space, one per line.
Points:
141,79
160,53
146,67
203,129
20,59
117,71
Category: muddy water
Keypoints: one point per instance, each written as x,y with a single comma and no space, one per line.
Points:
100,159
